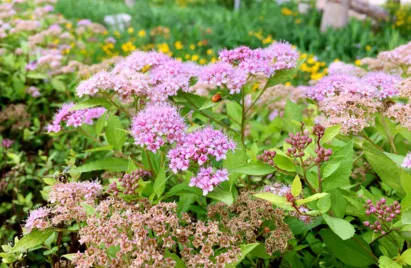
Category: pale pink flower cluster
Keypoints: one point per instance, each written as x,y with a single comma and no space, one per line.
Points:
385,84
278,56
206,179
156,125
66,201
340,67
400,113
33,91
224,74
74,118
24,26
151,74
7,143
407,161
198,147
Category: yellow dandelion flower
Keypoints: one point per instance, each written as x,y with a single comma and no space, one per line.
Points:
130,30
358,62
203,61
141,33
288,84
192,46
195,57
209,51
178,45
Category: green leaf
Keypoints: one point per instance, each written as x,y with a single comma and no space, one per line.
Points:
234,111
49,181
292,112
283,76
98,149
296,187
354,251
324,204
58,85
341,227
405,257
160,182
109,164
330,133
32,240
386,169
284,163
276,200
115,133
311,198
69,256
100,124
179,262
223,195
245,249
91,103
386,262
341,176
255,169
37,76
405,178
207,104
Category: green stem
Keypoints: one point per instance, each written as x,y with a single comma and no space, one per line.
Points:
115,104
370,141
243,117
258,97
212,119
390,137
305,176
149,161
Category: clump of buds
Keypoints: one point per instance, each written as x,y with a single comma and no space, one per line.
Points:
128,183
385,214
298,141
323,154
267,157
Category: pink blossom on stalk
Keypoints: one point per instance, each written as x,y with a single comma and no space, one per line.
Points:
33,91
407,161
74,118
139,61
7,143
236,55
100,81
385,83
282,56
156,125
198,147
221,73
37,220
206,179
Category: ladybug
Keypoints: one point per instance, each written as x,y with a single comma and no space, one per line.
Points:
216,97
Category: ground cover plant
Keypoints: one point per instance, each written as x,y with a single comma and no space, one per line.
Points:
152,161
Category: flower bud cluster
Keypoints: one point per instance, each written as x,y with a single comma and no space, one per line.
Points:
298,142
267,157
323,154
385,214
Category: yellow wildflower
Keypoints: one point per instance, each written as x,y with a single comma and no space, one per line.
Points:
192,46
288,84
178,45
209,51
358,62
203,61
368,48
195,57
163,48
130,30
141,33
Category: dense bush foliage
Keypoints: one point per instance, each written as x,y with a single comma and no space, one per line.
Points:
153,161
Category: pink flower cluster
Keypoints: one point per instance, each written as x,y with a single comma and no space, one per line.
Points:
407,161
65,205
385,214
156,125
198,147
206,179
74,118
151,74
386,84
221,73
266,61
7,143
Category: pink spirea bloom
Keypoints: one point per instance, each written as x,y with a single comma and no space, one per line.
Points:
257,63
282,56
33,91
156,125
198,147
74,118
6,143
333,85
37,220
222,73
340,67
206,179
236,55
385,83
140,60
100,81
407,161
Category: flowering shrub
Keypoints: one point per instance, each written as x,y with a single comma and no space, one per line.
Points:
170,163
